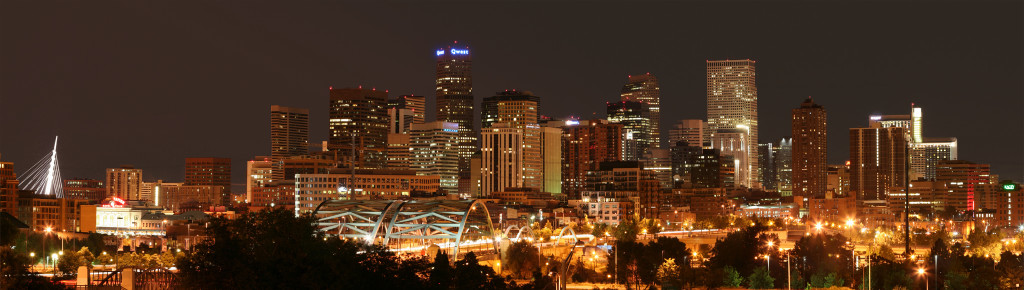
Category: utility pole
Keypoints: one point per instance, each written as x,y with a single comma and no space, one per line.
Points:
789,275
352,162
906,190
869,272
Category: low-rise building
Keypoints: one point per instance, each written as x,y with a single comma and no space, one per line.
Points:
43,212
313,189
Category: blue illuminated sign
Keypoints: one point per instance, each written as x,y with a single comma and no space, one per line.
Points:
451,130
440,52
460,51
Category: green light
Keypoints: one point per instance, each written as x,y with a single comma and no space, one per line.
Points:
1010,186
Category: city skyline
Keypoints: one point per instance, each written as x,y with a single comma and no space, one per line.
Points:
948,79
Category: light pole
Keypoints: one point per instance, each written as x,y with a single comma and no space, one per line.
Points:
920,272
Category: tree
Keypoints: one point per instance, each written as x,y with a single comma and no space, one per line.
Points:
627,230
669,274
732,277
8,232
1011,270
824,254
470,275
440,273
985,244
85,257
68,263
521,259
760,279
104,259
738,250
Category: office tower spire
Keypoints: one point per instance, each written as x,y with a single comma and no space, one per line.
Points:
732,104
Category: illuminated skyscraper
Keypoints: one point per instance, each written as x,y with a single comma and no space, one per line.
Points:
809,150
732,104
635,118
518,110
502,159
361,112
926,155
784,167
585,144
124,182
455,98
289,131
644,88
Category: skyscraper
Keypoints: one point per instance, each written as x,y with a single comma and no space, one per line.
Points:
809,150
691,131
878,161
434,151
766,173
360,112
635,118
520,111
210,171
965,181
399,120
585,145
289,131
732,104
644,88
455,98
416,104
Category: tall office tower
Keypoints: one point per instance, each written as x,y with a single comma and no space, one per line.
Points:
766,170
733,145
732,104
8,189
289,131
210,171
635,118
644,88
489,109
433,150
690,130
359,112
501,159
684,159
85,188
257,175
399,150
416,104
965,181
455,99
925,155
399,120
124,182
551,156
878,161
520,111
584,146
809,153
784,167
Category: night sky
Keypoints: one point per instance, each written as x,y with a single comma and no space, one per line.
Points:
149,83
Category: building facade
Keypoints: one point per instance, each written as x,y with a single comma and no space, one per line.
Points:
502,159
416,104
585,144
210,171
434,151
877,161
313,189
635,118
85,188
